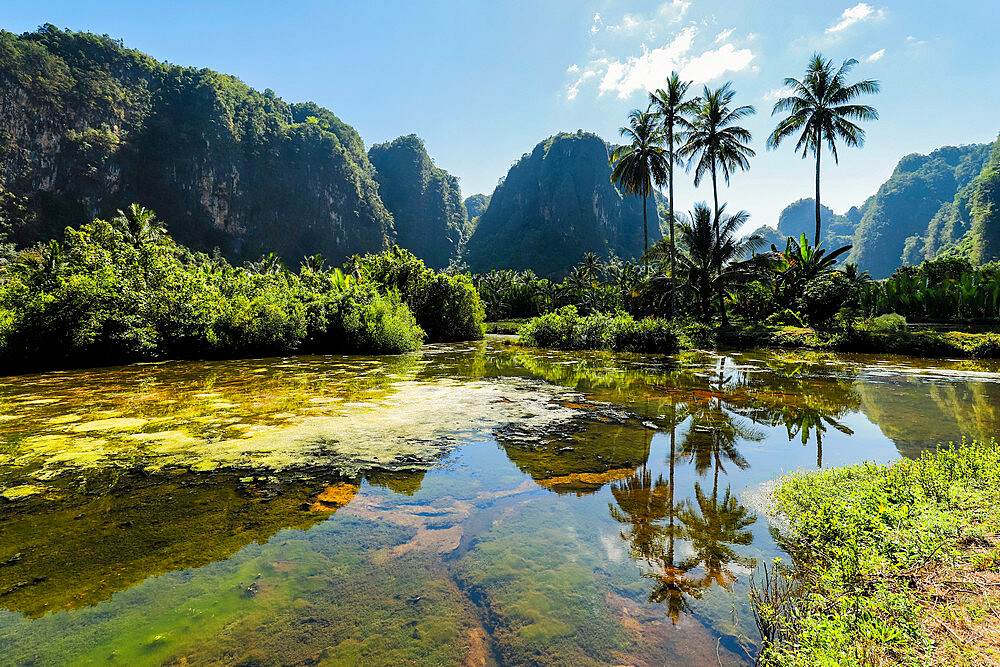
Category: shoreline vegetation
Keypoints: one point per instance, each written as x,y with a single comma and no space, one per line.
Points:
890,564
123,290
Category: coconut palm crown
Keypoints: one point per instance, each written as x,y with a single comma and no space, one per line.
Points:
715,143
640,165
821,109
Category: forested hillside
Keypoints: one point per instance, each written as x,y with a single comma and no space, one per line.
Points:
88,126
918,211
425,201
554,205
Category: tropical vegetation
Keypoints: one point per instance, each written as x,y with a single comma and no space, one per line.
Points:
122,290
890,564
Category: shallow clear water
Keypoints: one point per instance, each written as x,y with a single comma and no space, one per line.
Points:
472,503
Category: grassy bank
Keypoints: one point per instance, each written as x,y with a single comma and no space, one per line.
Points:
891,564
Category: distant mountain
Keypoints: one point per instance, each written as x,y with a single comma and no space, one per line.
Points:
556,204
917,213
799,218
476,204
89,126
425,201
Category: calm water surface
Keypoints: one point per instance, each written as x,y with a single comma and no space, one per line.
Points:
471,504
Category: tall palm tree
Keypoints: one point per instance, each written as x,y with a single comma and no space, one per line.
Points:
640,165
820,106
715,143
672,110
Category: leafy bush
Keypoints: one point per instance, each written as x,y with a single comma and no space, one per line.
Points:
785,317
823,296
888,323
566,329
753,301
114,293
368,321
448,308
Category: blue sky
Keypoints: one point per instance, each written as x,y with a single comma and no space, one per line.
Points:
483,82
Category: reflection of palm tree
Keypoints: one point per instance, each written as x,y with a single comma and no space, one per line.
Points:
713,438
712,529
642,504
645,505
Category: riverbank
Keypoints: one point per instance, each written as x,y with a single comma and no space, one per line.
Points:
902,340
891,564
920,343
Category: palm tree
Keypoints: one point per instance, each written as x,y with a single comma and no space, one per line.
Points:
640,165
715,143
672,109
269,264
139,225
713,254
313,263
593,265
820,105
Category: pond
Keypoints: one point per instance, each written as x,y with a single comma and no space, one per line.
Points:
474,503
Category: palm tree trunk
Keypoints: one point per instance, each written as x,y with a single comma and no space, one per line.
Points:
715,197
818,153
670,203
645,233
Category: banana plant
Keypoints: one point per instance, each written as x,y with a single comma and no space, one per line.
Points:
800,263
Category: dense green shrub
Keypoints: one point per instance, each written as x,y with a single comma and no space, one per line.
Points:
566,329
888,323
122,290
785,317
448,308
823,296
753,301
366,320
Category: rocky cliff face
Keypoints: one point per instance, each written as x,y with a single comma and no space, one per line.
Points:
556,204
425,201
87,126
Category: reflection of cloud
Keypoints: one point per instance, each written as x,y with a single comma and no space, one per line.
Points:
856,14
652,67
613,549
875,57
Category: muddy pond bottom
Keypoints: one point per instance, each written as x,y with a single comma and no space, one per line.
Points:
472,504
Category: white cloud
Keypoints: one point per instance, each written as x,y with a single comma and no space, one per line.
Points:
856,14
648,70
595,27
875,57
712,64
723,36
573,69
651,68
775,94
666,13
